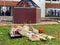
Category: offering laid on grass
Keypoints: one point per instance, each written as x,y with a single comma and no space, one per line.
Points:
14,32
47,36
34,38
34,35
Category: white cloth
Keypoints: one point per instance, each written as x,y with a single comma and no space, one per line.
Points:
26,27
29,34
35,31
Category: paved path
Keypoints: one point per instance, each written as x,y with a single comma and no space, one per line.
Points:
43,21
46,22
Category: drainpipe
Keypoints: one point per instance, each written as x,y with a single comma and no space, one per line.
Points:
4,12
51,1
4,2
59,1
4,6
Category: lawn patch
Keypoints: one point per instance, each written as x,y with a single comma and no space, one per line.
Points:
53,30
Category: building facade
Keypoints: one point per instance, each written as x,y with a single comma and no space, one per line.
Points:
7,9
49,8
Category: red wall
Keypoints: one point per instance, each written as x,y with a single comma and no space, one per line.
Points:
26,15
52,5
8,3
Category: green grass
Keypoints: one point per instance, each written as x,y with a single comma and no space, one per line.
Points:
53,30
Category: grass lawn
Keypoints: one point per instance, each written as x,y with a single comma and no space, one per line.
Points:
53,30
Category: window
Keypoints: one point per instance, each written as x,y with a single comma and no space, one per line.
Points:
51,12
52,0
55,0
5,11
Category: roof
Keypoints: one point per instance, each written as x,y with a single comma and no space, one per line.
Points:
27,3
